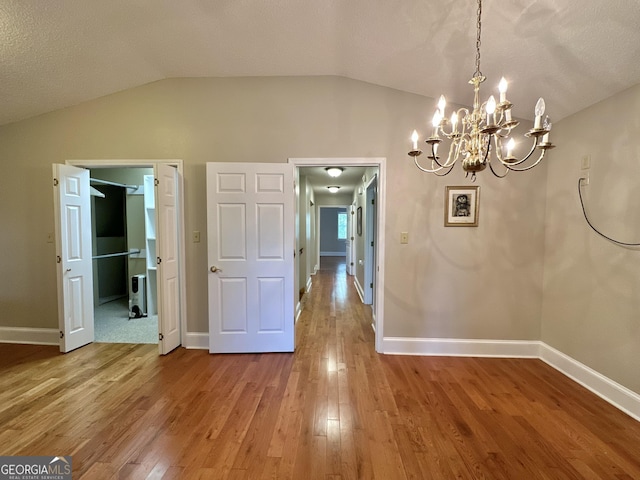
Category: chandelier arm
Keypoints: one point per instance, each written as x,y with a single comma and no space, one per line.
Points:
435,157
426,170
496,173
528,167
517,162
445,173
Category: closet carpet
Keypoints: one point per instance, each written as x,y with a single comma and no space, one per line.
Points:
113,325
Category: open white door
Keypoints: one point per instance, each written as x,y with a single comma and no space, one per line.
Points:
351,267
72,208
167,243
250,240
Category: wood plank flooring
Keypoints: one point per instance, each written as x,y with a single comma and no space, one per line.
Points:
333,410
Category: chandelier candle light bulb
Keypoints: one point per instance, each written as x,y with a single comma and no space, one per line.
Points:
502,88
491,108
539,111
479,134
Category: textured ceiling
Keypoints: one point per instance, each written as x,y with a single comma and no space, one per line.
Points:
573,52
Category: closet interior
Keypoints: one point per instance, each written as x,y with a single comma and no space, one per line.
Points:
124,255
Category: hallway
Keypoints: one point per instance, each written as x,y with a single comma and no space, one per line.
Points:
333,410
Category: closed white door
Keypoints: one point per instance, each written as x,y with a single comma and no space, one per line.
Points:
250,240
168,257
72,208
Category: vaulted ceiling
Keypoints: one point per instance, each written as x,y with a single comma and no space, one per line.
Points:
575,53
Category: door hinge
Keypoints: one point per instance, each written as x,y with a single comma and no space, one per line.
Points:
61,334
371,285
160,336
352,239
158,260
372,244
373,202
156,182
55,182
58,259
351,264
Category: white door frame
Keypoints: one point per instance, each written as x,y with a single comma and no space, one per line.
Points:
370,259
381,163
151,163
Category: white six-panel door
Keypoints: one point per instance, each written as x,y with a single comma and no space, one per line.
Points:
72,208
168,257
250,240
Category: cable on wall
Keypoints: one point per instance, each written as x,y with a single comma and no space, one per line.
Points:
584,212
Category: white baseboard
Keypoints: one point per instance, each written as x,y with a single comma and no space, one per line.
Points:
614,393
607,389
298,312
461,348
359,289
32,336
309,285
196,340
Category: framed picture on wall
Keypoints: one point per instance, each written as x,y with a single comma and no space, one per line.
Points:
359,221
461,206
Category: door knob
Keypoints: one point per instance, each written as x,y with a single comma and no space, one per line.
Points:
215,269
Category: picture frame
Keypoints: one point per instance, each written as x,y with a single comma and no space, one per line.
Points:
461,206
359,221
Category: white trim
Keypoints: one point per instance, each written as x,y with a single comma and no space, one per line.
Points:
461,347
152,163
381,164
31,336
607,389
298,312
309,285
333,254
196,340
360,293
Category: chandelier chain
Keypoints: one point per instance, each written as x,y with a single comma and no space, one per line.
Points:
478,73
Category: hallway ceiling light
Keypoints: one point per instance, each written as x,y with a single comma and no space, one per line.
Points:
334,171
333,188
478,135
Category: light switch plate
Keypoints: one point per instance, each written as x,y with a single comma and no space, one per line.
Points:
404,237
196,236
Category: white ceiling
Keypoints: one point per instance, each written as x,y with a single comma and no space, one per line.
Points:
320,179
573,52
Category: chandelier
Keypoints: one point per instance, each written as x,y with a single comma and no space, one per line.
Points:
482,134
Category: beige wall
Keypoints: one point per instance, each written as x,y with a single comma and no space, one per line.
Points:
592,287
482,282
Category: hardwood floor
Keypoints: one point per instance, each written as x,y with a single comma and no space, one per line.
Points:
333,410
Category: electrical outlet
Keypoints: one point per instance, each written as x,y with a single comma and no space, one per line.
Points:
196,236
49,237
584,180
585,164
404,237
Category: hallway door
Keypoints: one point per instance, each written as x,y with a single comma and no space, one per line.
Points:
250,240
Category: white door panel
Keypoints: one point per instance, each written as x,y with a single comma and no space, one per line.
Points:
250,216
72,207
168,254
